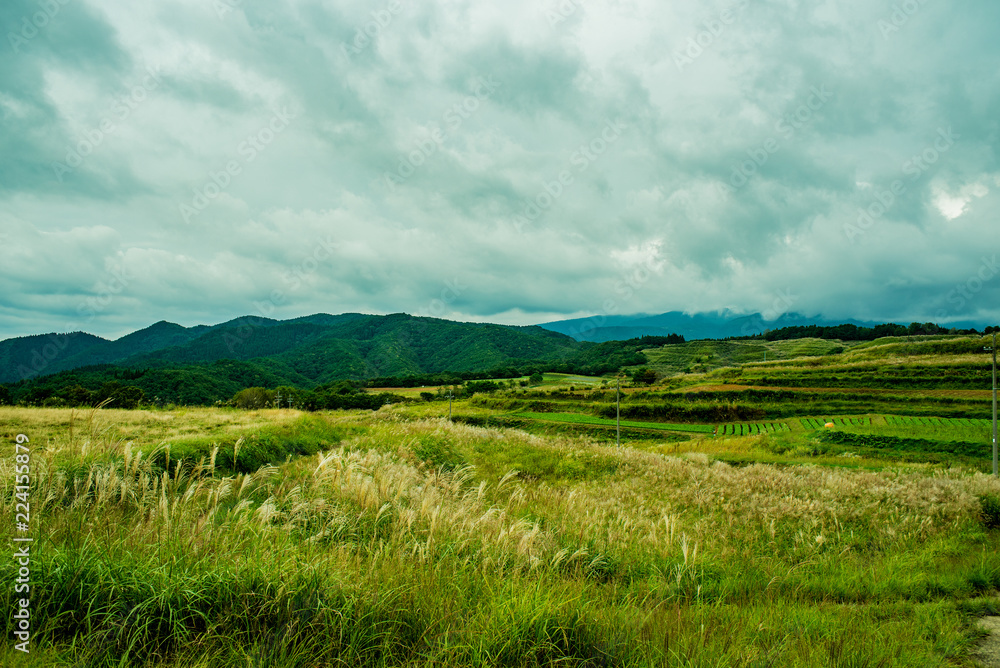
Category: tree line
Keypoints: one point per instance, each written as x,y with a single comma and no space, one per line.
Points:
849,332
265,382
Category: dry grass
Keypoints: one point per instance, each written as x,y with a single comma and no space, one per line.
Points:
585,553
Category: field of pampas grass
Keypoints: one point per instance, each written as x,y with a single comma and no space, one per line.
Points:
381,540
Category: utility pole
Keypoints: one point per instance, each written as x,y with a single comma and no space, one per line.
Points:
993,349
618,412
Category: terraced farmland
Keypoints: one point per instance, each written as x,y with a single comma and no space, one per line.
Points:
935,421
706,355
580,418
820,423
752,429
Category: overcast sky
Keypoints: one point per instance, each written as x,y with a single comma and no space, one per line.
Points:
514,162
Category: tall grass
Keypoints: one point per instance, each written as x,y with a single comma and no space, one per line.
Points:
431,543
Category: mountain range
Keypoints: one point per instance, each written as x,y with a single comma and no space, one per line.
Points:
305,351
321,348
719,325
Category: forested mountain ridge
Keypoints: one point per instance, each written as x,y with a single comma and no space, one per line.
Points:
318,348
727,324
167,363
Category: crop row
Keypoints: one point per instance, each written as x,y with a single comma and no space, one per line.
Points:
901,421
819,423
752,429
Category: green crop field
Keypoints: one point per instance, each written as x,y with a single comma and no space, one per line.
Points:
751,429
933,428
572,379
707,355
820,423
394,538
943,422
579,418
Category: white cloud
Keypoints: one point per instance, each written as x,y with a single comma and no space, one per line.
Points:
952,205
652,198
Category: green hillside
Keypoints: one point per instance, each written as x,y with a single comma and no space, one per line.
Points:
28,356
917,363
701,356
232,343
320,347
212,363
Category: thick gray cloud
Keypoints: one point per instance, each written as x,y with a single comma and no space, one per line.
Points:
516,162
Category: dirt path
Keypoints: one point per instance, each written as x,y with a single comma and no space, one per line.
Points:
988,651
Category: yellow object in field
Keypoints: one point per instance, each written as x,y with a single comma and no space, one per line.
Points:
828,424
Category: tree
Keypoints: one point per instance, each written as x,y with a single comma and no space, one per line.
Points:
253,398
121,396
481,386
644,375
925,328
107,391
129,397
536,378
78,395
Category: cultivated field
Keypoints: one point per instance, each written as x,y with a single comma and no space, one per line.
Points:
414,541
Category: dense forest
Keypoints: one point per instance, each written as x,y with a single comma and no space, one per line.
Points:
848,332
313,350
221,380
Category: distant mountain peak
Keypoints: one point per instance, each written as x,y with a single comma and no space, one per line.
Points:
313,348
